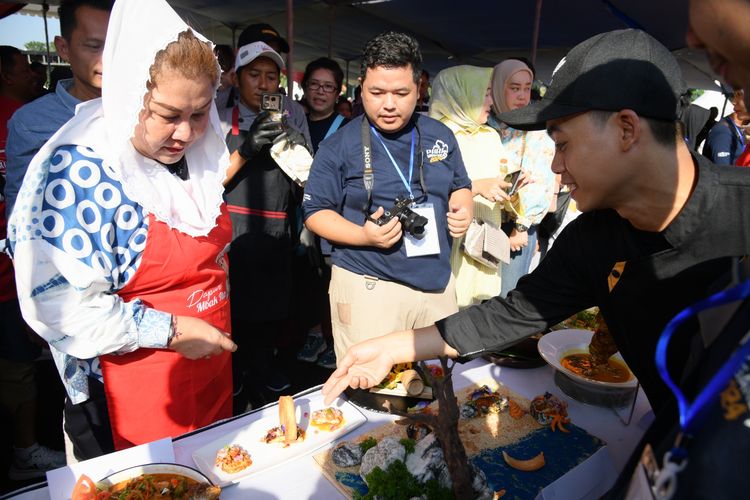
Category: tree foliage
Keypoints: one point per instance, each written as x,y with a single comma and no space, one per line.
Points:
38,46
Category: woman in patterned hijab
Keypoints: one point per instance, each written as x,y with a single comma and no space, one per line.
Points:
461,99
530,152
120,236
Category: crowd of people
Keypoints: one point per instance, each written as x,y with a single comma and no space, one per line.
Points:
158,209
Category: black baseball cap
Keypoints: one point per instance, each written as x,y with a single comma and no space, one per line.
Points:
623,69
262,32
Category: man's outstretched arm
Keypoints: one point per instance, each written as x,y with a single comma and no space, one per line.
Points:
368,362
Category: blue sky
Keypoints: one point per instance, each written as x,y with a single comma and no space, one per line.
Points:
18,29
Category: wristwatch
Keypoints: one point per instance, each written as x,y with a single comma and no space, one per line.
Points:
521,228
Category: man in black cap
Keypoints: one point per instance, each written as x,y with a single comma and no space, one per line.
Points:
655,237
295,112
262,32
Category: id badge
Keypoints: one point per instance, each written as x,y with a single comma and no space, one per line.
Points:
430,244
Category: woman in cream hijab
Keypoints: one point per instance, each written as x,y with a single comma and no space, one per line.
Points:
461,100
530,152
120,237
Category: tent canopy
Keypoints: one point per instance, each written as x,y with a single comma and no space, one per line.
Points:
479,32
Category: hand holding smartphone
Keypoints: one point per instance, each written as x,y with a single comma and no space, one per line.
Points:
513,179
274,104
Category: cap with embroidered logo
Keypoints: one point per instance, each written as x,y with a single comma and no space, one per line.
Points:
623,69
248,53
262,32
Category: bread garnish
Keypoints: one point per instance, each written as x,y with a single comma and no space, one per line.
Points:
288,419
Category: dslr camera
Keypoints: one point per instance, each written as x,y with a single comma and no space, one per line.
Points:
411,222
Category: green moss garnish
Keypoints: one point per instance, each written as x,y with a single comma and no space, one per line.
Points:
408,445
396,483
434,491
368,443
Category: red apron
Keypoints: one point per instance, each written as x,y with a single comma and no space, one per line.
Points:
155,393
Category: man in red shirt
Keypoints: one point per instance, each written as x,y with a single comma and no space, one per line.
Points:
17,352
16,89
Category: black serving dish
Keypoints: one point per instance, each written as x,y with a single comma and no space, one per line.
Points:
374,401
521,355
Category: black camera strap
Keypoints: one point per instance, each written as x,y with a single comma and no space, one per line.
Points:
369,175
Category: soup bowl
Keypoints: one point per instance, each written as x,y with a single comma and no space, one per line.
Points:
556,345
158,468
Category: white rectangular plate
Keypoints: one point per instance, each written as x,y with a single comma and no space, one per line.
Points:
266,456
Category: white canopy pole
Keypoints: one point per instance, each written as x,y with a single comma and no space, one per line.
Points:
45,8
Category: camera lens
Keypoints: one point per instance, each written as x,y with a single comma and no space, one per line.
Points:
413,223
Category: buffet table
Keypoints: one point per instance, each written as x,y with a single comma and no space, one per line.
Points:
301,477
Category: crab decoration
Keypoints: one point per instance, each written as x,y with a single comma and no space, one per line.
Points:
549,410
483,401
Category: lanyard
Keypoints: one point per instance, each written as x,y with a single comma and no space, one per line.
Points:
737,130
676,459
236,120
334,126
368,176
690,412
407,184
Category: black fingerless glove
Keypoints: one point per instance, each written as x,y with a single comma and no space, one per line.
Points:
262,132
293,138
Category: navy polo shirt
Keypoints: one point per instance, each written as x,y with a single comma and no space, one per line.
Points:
336,183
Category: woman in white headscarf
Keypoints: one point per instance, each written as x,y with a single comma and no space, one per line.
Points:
530,152
461,100
120,234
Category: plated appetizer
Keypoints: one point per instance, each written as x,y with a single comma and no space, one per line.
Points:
233,458
288,432
327,419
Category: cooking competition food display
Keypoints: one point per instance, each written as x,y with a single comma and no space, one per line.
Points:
517,448
274,436
147,482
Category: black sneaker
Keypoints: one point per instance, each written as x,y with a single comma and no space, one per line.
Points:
40,460
314,346
277,381
327,359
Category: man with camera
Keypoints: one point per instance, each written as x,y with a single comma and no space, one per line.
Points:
645,246
389,190
261,199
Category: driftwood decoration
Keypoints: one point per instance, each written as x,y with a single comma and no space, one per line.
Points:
445,426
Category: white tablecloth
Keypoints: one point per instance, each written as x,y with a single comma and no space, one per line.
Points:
301,478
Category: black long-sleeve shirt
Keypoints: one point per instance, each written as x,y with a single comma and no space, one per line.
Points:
654,276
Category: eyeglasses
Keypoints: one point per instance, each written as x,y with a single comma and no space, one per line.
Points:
327,86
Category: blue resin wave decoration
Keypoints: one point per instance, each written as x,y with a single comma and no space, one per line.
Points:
562,452
353,481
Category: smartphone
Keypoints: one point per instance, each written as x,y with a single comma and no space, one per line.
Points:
271,102
513,179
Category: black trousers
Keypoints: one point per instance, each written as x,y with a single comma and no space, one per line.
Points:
87,424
